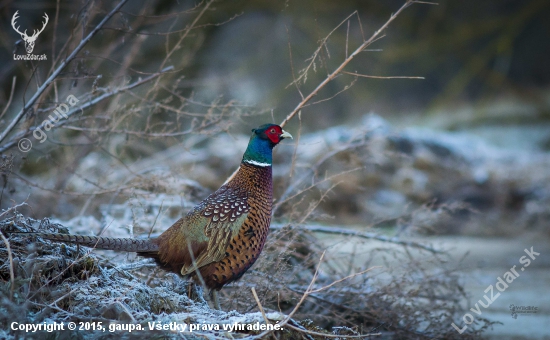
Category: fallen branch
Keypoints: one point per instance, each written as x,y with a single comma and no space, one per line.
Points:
370,236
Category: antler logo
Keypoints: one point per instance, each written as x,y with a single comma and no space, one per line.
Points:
29,41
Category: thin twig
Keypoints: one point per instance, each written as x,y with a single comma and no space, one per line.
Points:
54,75
294,80
10,257
347,87
303,73
425,2
136,265
311,170
343,279
183,36
73,193
370,236
340,68
308,292
332,335
381,77
259,305
7,211
156,218
304,296
128,312
347,39
284,322
11,97
314,206
195,266
47,284
15,139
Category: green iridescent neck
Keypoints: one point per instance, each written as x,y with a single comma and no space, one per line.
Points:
258,152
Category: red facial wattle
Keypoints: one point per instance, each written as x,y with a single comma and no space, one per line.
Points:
274,134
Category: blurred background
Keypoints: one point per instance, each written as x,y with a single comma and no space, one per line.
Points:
460,157
472,55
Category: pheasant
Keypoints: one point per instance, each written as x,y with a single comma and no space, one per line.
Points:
222,237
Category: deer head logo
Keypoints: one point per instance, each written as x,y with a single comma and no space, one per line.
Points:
29,41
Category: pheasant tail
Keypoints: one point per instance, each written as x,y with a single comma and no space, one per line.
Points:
109,243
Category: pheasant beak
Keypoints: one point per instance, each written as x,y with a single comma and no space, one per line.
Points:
285,135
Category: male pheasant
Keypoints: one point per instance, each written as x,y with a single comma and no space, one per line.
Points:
224,234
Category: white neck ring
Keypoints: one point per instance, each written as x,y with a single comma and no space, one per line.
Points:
256,163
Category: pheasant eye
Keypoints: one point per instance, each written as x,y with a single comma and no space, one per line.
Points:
272,130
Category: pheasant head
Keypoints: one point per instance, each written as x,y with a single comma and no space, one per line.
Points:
262,141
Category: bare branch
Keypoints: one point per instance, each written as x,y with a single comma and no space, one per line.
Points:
54,75
340,68
10,257
371,236
13,141
343,279
10,98
337,336
381,77
259,305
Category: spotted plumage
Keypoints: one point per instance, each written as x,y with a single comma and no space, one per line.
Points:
245,245
221,237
